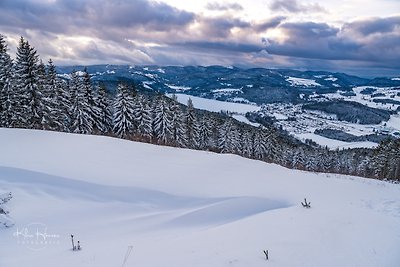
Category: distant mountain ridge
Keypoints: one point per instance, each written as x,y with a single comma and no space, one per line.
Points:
256,85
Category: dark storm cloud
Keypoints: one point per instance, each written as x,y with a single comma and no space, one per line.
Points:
151,32
321,41
269,23
63,15
224,6
223,47
312,40
221,27
293,6
308,30
153,15
374,25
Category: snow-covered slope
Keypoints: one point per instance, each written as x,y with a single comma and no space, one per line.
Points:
215,105
178,207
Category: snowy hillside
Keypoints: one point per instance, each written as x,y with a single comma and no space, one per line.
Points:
278,94
178,207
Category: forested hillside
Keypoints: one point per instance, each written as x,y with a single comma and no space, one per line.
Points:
33,96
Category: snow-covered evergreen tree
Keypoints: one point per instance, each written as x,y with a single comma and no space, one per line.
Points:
30,100
259,144
123,116
5,219
105,108
299,159
246,142
273,147
58,99
190,124
205,133
91,100
8,94
162,127
46,122
311,163
143,117
228,140
178,131
81,120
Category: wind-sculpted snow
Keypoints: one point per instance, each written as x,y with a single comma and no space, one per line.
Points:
77,189
179,207
196,211
226,211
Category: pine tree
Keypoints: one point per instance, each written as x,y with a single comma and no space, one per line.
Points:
3,52
272,146
162,127
259,144
228,141
190,123
311,164
7,90
58,99
81,121
205,133
298,161
46,122
30,100
104,106
245,142
143,117
123,116
178,132
362,168
91,102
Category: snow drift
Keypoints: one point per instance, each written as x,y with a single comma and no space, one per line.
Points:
178,207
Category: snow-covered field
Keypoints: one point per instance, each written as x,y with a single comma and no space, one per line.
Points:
216,105
178,207
333,144
294,81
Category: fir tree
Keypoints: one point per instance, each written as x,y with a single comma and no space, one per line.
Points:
178,132
58,99
247,142
143,117
228,141
104,106
272,146
30,100
81,121
162,128
190,123
123,116
91,104
46,122
205,133
8,95
259,144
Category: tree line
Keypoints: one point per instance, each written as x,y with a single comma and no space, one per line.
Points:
33,96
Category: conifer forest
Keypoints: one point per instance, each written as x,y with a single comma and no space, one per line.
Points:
33,96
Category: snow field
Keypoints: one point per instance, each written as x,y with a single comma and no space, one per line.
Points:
295,81
216,105
179,207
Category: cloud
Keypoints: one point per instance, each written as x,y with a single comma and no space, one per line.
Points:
215,6
374,25
69,15
293,6
269,23
223,47
354,41
220,27
151,32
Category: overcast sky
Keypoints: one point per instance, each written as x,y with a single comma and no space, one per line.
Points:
355,36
